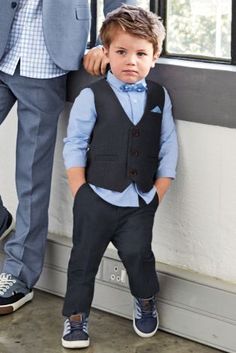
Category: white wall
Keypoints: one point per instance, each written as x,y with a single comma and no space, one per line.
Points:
195,226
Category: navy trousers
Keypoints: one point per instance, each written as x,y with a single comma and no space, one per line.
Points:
40,102
96,223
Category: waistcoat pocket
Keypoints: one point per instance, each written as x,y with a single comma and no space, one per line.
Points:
106,157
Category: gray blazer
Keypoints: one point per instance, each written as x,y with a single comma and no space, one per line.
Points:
66,26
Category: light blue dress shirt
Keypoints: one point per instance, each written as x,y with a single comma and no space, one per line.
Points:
26,44
81,123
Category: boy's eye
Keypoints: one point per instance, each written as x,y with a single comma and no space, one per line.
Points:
120,52
141,53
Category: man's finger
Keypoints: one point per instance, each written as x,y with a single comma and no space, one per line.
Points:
104,65
93,60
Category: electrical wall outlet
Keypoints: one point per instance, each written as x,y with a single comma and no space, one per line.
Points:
114,272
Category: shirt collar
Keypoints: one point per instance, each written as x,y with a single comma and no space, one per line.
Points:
116,83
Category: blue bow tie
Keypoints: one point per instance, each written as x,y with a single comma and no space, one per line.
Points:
133,87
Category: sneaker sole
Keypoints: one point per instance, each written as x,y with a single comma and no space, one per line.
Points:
142,334
8,230
10,308
74,344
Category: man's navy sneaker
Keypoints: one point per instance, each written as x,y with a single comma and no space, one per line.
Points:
13,293
75,334
145,318
8,227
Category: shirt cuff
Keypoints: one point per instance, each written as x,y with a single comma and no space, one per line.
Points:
75,161
166,173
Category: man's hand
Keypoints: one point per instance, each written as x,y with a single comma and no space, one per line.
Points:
95,62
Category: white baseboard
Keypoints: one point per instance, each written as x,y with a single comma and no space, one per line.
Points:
193,306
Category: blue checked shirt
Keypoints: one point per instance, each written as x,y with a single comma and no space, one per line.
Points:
26,44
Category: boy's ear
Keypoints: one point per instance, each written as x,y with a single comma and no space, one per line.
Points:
105,50
155,57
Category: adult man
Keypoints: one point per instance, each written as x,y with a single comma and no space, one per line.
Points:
41,40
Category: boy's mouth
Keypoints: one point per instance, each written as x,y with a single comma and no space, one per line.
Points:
130,71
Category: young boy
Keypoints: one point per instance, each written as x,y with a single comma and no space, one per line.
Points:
120,155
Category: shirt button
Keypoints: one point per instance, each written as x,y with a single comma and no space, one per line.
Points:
135,100
13,5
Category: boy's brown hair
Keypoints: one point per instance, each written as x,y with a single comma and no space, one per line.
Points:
135,21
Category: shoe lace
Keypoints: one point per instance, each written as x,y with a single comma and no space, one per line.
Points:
147,307
6,281
74,325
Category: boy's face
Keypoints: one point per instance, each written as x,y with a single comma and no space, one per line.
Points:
130,57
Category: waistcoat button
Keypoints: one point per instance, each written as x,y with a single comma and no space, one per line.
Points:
135,153
133,172
135,132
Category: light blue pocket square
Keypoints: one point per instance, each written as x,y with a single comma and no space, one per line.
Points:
156,109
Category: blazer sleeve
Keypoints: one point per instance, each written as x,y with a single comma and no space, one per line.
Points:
110,5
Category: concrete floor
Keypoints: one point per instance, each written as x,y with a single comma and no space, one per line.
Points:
37,328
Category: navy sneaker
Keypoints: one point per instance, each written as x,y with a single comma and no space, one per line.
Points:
13,293
75,334
145,318
8,228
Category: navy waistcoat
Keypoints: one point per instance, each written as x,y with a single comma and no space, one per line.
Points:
120,152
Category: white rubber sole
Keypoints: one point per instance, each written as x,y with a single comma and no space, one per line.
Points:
142,334
10,308
75,344
8,230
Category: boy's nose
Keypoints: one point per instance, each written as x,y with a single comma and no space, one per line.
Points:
131,60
